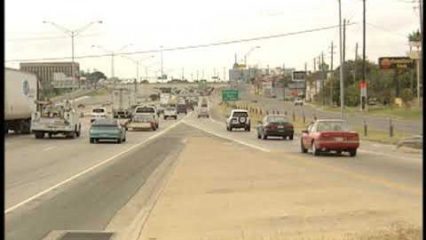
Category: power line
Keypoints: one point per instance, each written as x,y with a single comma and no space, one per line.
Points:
46,38
190,46
385,30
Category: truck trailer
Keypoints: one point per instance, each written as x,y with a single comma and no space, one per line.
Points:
21,92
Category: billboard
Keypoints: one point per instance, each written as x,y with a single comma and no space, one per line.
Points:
299,76
395,63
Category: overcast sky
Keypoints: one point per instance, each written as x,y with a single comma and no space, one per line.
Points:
149,24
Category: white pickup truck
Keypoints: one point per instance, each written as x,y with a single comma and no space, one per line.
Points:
98,113
55,119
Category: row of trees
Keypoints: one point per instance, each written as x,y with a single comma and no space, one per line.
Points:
384,85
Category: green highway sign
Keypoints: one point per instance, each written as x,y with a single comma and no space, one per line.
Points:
229,95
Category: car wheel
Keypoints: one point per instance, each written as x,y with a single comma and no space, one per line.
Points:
291,137
258,135
39,135
91,140
72,135
315,151
118,140
339,153
124,139
304,150
49,135
352,153
164,117
230,129
264,136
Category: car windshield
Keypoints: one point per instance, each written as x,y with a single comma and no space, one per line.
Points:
240,114
171,109
332,126
98,110
277,119
104,123
145,110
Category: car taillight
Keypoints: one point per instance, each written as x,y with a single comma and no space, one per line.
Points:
353,137
271,126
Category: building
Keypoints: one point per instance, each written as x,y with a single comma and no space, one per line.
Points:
53,74
240,73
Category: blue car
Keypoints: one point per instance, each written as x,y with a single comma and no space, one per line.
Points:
107,129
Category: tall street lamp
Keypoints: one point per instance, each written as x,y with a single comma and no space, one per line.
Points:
113,53
72,34
248,53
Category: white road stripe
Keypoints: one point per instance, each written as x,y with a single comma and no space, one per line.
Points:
49,148
16,206
228,138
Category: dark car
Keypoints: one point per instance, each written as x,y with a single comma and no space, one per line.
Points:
275,125
329,135
182,108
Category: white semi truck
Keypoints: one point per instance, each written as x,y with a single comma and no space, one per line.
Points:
21,92
121,102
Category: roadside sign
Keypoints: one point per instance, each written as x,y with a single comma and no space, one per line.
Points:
395,63
229,95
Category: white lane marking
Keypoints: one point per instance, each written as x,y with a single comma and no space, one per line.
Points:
390,156
49,148
16,206
80,98
228,138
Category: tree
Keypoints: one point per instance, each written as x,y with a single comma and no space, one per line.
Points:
94,77
414,36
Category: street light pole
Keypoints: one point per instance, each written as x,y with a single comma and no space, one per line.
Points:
341,59
73,34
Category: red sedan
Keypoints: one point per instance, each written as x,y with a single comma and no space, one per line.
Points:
328,135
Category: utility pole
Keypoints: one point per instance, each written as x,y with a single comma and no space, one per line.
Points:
332,71
224,73
364,70
183,74
341,59
344,41
306,74
161,53
197,75
315,64
323,79
420,60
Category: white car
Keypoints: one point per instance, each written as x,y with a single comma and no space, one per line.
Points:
203,110
239,118
170,112
298,102
98,113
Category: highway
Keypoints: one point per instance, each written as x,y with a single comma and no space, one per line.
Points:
69,184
